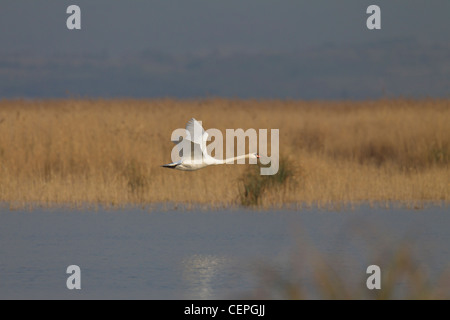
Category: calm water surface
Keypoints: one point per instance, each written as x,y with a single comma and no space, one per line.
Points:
137,254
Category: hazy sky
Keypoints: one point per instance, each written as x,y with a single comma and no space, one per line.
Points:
231,48
204,25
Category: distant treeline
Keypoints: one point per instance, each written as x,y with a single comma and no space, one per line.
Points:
398,68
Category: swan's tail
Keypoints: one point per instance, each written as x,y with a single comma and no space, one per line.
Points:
171,165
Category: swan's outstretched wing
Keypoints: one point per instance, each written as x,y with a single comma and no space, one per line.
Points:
196,133
189,150
192,147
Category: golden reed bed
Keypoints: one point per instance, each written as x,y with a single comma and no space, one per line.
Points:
109,152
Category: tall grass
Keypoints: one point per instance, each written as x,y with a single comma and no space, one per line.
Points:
110,151
255,185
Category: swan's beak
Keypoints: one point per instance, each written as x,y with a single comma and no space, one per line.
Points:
258,156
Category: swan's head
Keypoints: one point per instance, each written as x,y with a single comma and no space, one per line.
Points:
254,156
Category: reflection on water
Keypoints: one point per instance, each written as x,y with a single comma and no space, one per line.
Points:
135,254
200,273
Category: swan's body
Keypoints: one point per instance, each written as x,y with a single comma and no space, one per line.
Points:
192,165
199,158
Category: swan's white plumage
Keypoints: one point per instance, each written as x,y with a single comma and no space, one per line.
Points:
194,144
196,133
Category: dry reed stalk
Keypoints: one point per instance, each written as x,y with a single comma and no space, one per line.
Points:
110,151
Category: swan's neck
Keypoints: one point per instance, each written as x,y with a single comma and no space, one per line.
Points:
232,160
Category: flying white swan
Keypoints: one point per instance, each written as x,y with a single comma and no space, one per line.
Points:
198,158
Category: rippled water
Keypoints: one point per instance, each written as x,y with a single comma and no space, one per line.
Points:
178,254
